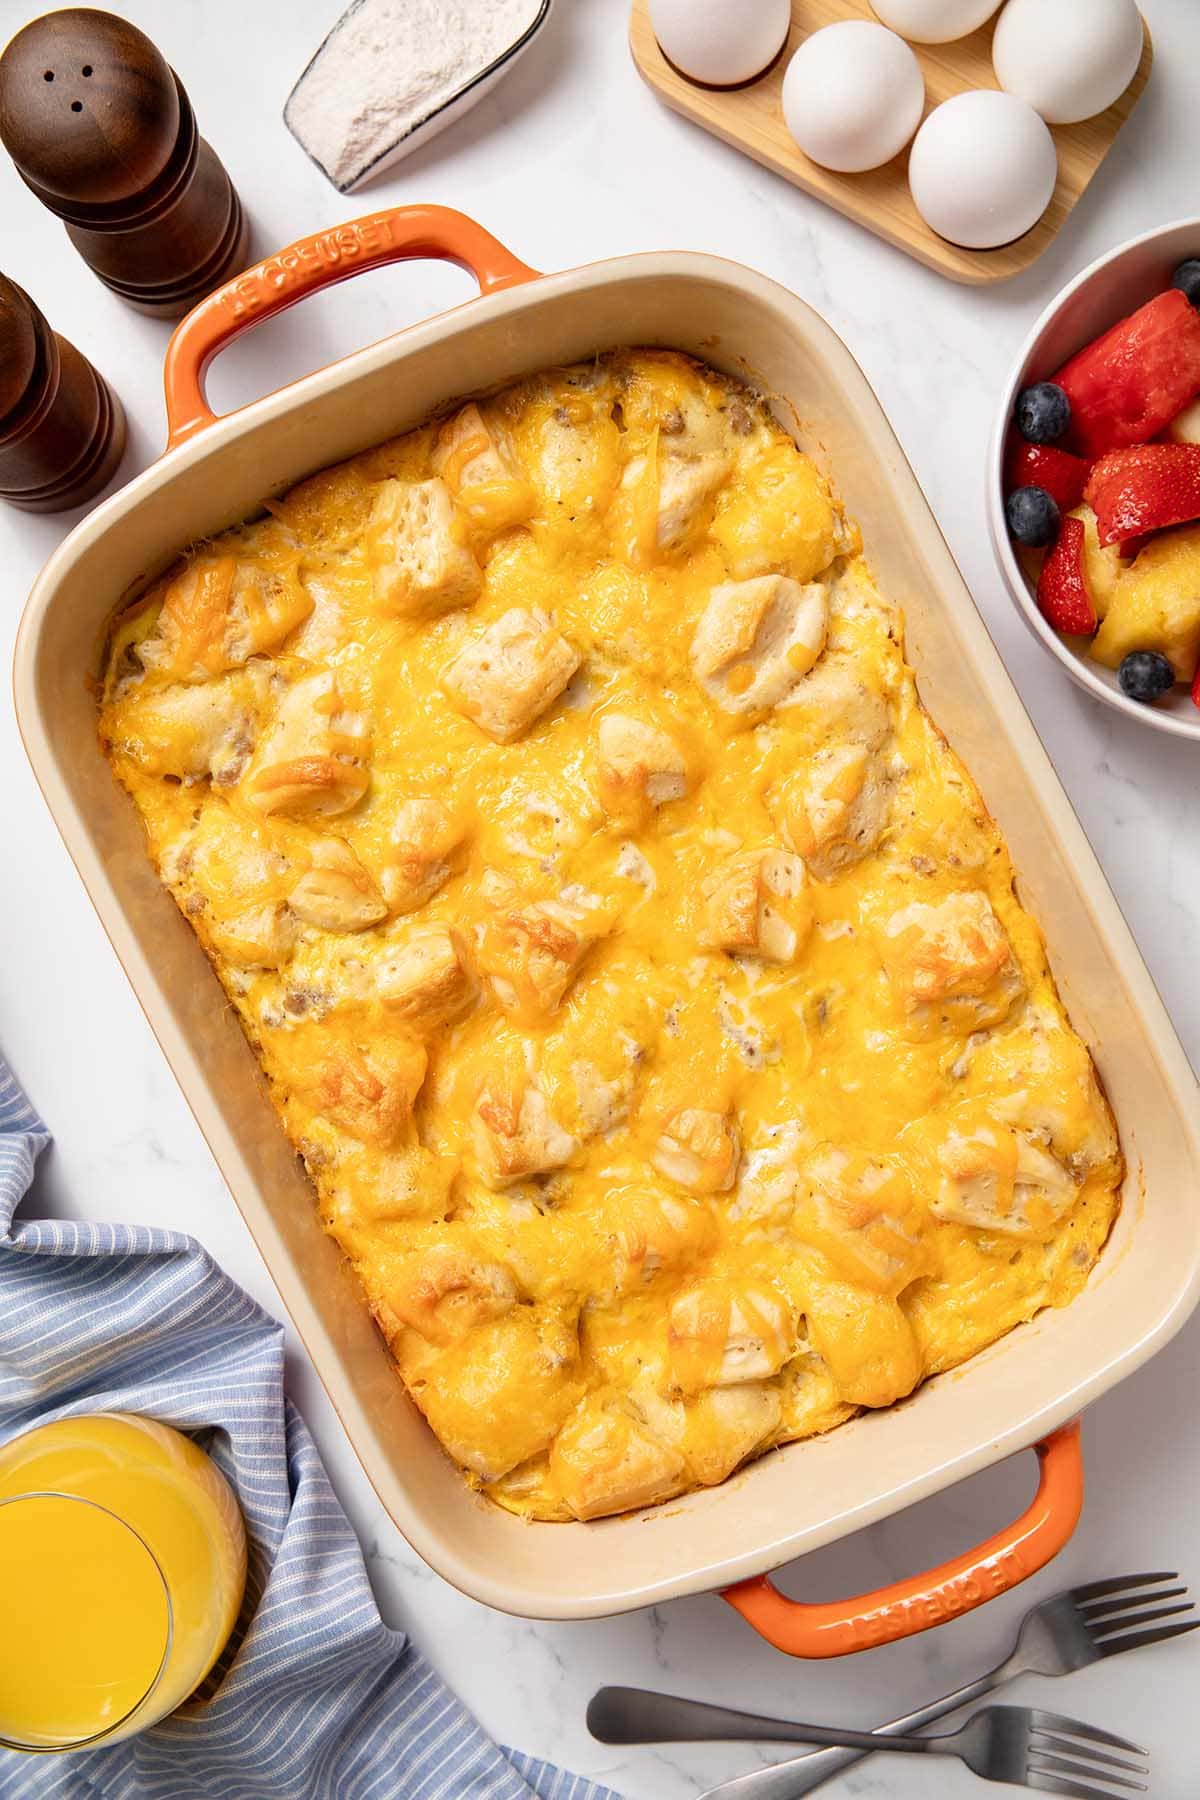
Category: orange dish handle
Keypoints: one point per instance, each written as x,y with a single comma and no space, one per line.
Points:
836,1627
396,235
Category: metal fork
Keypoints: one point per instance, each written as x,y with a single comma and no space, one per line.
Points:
1067,1632
1019,1744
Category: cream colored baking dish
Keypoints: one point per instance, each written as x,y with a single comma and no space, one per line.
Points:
1035,1380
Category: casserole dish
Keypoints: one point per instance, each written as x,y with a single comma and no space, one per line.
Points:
1025,1387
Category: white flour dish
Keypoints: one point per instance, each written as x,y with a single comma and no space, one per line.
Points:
393,73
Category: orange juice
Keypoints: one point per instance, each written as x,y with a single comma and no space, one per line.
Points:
87,1623
114,1611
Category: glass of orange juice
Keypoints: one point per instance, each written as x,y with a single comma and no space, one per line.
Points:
122,1568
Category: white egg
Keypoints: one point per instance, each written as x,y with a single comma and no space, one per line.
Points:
719,42
853,96
1069,58
934,21
982,169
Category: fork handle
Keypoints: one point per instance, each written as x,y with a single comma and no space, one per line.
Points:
624,1715
801,1775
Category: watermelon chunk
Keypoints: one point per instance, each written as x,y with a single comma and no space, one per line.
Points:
1128,384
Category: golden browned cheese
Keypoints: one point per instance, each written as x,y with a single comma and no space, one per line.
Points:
636,969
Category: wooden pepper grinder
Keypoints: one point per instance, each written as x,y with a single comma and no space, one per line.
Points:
101,130
62,429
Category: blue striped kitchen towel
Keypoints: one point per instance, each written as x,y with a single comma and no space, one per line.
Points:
315,1698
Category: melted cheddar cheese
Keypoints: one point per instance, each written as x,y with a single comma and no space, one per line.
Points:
633,964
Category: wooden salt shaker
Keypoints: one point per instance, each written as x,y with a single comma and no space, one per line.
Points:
101,130
62,430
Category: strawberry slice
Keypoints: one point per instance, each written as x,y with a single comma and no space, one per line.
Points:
1046,466
1196,687
1062,591
1144,489
1128,384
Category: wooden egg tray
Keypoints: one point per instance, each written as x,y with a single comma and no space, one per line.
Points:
751,118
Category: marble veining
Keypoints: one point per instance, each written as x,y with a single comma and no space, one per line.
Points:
544,165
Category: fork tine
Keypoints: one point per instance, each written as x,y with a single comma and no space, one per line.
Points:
1094,1610
1112,1646
1076,1728
1094,1589
1042,1744
1107,1628
1072,1790
1061,1765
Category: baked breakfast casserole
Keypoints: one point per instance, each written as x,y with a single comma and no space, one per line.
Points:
634,966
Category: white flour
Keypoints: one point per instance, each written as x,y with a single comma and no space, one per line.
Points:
386,66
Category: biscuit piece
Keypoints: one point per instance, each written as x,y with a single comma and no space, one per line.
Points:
865,1341
606,1459
194,729
952,964
863,1216
654,1234
425,979
997,1179
699,1149
313,760
368,1093
482,473
835,810
720,1332
638,767
219,613
725,1425
445,1290
260,936
507,678
500,1396
425,835
335,893
516,1135
757,903
667,489
532,954
757,639
418,552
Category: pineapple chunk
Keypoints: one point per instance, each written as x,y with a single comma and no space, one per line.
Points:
1185,426
1102,563
1156,605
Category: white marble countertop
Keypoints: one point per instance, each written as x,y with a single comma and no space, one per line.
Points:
570,160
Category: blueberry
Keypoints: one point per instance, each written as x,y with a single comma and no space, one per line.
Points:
1187,279
1145,675
1032,516
1043,413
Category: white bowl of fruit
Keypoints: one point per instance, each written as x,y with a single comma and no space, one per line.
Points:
1094,479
